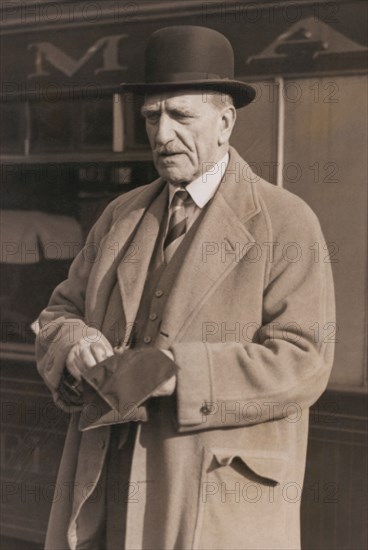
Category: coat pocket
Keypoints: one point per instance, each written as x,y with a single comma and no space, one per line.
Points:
241,500
266,467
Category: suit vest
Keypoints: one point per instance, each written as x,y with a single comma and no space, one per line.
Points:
159,282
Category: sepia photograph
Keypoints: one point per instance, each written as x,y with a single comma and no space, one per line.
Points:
184,275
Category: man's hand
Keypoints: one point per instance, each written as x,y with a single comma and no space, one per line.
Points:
86,354
168,387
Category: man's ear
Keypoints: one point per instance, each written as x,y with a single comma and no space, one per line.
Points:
227,121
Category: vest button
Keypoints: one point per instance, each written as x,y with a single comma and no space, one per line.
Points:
147,339
158,293
153,317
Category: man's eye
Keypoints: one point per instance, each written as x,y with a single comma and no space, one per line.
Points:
152,117
182,117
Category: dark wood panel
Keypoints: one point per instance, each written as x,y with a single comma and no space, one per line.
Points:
334,503
32,438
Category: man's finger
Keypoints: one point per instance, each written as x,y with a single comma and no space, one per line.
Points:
72,366
166,388
87,357
99,351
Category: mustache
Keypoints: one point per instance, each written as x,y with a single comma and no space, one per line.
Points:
165,150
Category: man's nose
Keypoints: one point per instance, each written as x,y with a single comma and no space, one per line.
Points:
165,131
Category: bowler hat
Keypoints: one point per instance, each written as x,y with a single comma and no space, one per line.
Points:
191,57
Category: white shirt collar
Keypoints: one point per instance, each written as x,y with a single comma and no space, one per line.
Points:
203,188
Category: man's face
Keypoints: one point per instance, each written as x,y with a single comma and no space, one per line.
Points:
183,129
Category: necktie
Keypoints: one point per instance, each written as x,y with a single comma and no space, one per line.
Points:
177,224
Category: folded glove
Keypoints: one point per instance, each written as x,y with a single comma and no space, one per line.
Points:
115,389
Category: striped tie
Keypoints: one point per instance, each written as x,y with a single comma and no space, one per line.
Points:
177,224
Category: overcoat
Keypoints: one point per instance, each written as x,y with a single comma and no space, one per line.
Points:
220,464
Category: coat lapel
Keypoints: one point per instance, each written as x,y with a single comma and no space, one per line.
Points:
133,267
221,241
124,259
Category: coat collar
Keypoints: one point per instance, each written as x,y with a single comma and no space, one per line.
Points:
237,188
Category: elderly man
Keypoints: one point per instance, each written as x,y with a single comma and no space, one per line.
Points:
196,341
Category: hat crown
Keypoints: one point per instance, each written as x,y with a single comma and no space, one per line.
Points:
191,57
188,52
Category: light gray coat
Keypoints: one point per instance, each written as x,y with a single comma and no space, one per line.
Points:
220,464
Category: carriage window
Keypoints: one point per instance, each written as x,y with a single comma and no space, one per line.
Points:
40,235
69,126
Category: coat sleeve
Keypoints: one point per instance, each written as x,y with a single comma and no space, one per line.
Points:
62,322
287,365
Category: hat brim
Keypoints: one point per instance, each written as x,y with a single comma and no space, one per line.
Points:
242,93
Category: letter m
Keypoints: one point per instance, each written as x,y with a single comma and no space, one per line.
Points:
47,52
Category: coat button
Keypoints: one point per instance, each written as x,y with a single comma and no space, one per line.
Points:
158,293
147,339
205,409
153,317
